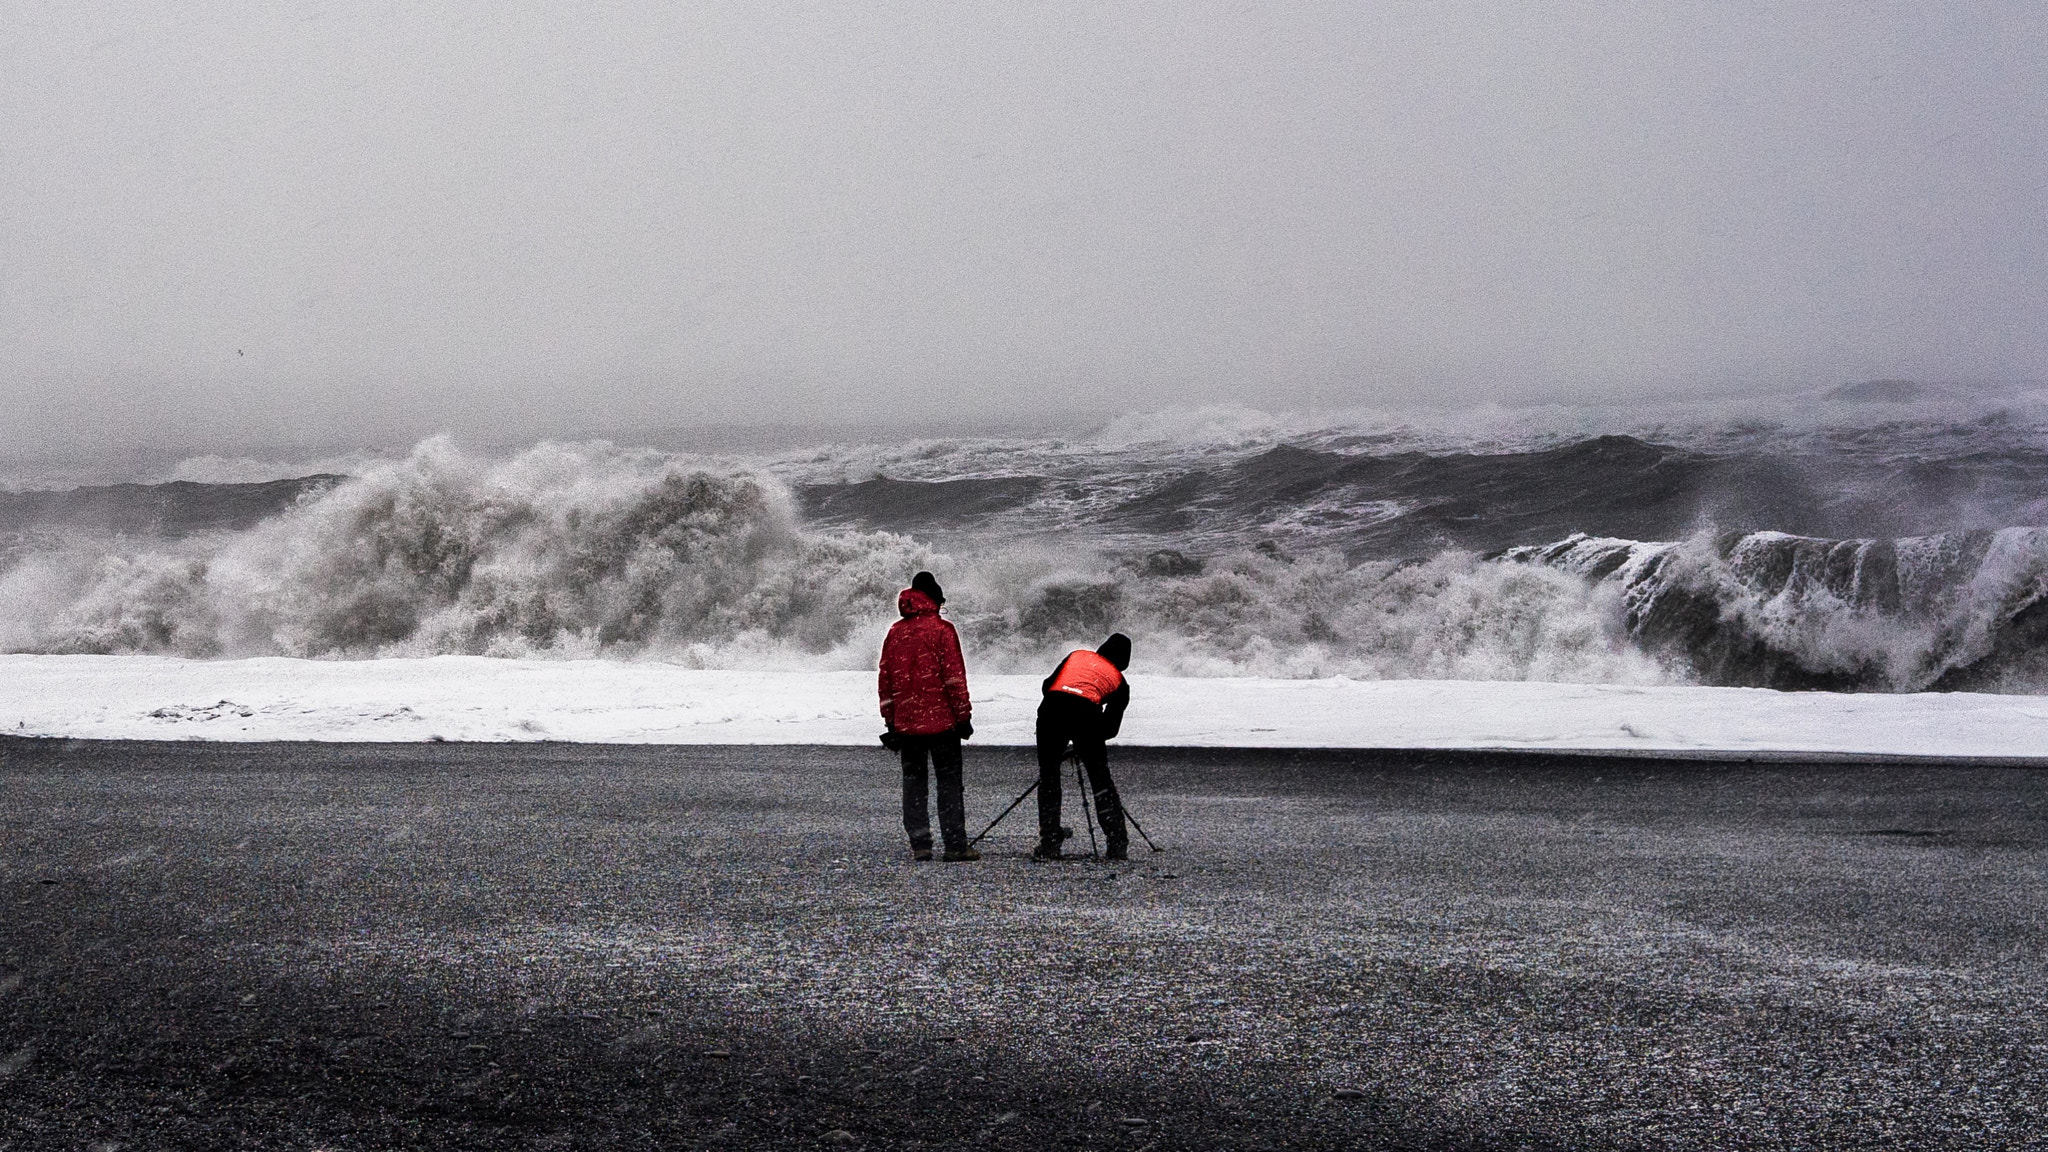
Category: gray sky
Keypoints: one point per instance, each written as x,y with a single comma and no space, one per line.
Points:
237,222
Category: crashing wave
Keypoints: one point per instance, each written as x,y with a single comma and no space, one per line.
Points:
581,550
565,548
1958,611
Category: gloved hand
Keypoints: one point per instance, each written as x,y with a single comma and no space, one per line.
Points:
963,729
892,740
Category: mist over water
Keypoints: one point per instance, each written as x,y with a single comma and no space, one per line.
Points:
1881,538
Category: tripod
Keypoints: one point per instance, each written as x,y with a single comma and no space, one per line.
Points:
1081,782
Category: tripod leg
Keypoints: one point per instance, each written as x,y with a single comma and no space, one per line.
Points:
1012,808
1087,817
1141,830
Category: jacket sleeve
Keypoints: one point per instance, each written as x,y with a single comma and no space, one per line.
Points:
883,685
1113,710
953,677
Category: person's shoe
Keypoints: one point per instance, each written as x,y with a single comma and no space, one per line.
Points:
962,855
1047,850
1117,852
920,853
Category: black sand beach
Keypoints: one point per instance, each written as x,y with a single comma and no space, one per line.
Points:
556,946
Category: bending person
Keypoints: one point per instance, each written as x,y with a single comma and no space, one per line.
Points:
1083,707
923,684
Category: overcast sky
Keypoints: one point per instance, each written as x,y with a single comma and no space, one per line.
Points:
230,222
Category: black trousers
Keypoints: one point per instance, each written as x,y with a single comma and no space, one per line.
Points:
1069,721
944,752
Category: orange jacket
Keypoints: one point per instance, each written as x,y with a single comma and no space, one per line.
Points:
1087,675
1089,682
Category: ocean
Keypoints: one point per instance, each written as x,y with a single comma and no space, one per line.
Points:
1881,537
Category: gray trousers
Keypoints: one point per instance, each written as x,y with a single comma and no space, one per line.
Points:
943,750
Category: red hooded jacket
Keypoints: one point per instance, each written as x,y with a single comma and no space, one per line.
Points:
923,680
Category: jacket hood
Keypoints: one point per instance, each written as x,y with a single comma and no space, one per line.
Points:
910,602
1116,650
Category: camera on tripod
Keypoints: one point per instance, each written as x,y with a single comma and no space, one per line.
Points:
1087,817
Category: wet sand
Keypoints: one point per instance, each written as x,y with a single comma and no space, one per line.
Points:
571,946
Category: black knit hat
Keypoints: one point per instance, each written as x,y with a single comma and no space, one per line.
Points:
1116,650
928,584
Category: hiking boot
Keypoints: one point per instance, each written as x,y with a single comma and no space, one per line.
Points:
952,857
920,853
1047,850
1117,851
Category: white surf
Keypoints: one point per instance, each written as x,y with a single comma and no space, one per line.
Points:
468,698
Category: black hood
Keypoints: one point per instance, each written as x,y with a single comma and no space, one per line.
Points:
1116,650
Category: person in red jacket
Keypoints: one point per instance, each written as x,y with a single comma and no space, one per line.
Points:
923,683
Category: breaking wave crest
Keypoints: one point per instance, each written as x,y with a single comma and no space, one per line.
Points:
1958,611
582,550
571,549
